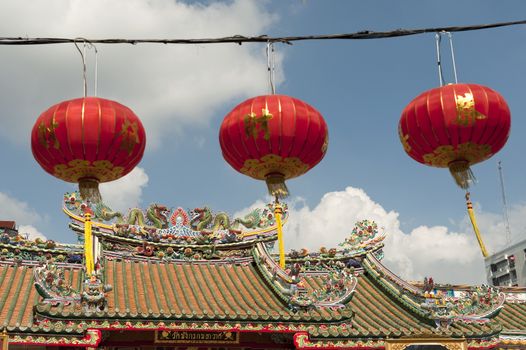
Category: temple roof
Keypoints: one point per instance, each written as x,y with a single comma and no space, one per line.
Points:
513,317
17,296
7,224
223,292
222,278
203,291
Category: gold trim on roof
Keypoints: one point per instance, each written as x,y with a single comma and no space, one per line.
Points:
450,344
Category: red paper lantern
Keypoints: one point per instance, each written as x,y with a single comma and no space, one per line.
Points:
455,126
88,140
273,138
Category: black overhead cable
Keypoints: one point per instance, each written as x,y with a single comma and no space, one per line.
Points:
239,39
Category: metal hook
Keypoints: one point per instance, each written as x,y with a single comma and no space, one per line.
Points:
271,66
90,45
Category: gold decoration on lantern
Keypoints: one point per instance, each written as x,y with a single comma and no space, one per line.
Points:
469,151
80,168
467,115
47,136
271,163
254,124
130,136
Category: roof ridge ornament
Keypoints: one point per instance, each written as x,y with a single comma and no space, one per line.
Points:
93,296
364,238
477,305
444,307
51,285
338,282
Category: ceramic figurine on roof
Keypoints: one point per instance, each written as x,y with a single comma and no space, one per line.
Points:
177,226
94,295
51,284
474,305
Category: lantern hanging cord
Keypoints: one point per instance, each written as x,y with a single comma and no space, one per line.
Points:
83,57
450,36
96,68
87,44
438,39
239,39
271,66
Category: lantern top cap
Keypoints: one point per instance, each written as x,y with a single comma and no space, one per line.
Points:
89,98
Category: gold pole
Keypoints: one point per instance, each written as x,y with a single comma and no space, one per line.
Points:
88,250
5,340
278,211
471,214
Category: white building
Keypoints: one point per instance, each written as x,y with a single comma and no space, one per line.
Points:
507,267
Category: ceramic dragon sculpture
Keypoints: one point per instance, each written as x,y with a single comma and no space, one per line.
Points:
204,220
155,214
250,221
158,223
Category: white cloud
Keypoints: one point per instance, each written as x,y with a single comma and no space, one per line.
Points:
449,256
120,195
257,204
30,232
125,192
12,209
168,86
332,219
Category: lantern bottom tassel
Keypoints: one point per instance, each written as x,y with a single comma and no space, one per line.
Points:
278,212
462,173
89,189
473,220
276,185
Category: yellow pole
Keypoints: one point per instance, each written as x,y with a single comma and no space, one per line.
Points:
471,214
88,249
278,211
5,340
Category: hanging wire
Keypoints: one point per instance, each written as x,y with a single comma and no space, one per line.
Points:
87,45
438,39
239,39
271,66
95,73
450,36
83,57
96,69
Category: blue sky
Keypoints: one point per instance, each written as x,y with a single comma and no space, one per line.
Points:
182,93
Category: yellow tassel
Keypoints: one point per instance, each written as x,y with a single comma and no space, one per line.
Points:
471,214
89,189
88,245
462,173
276,185
278,211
